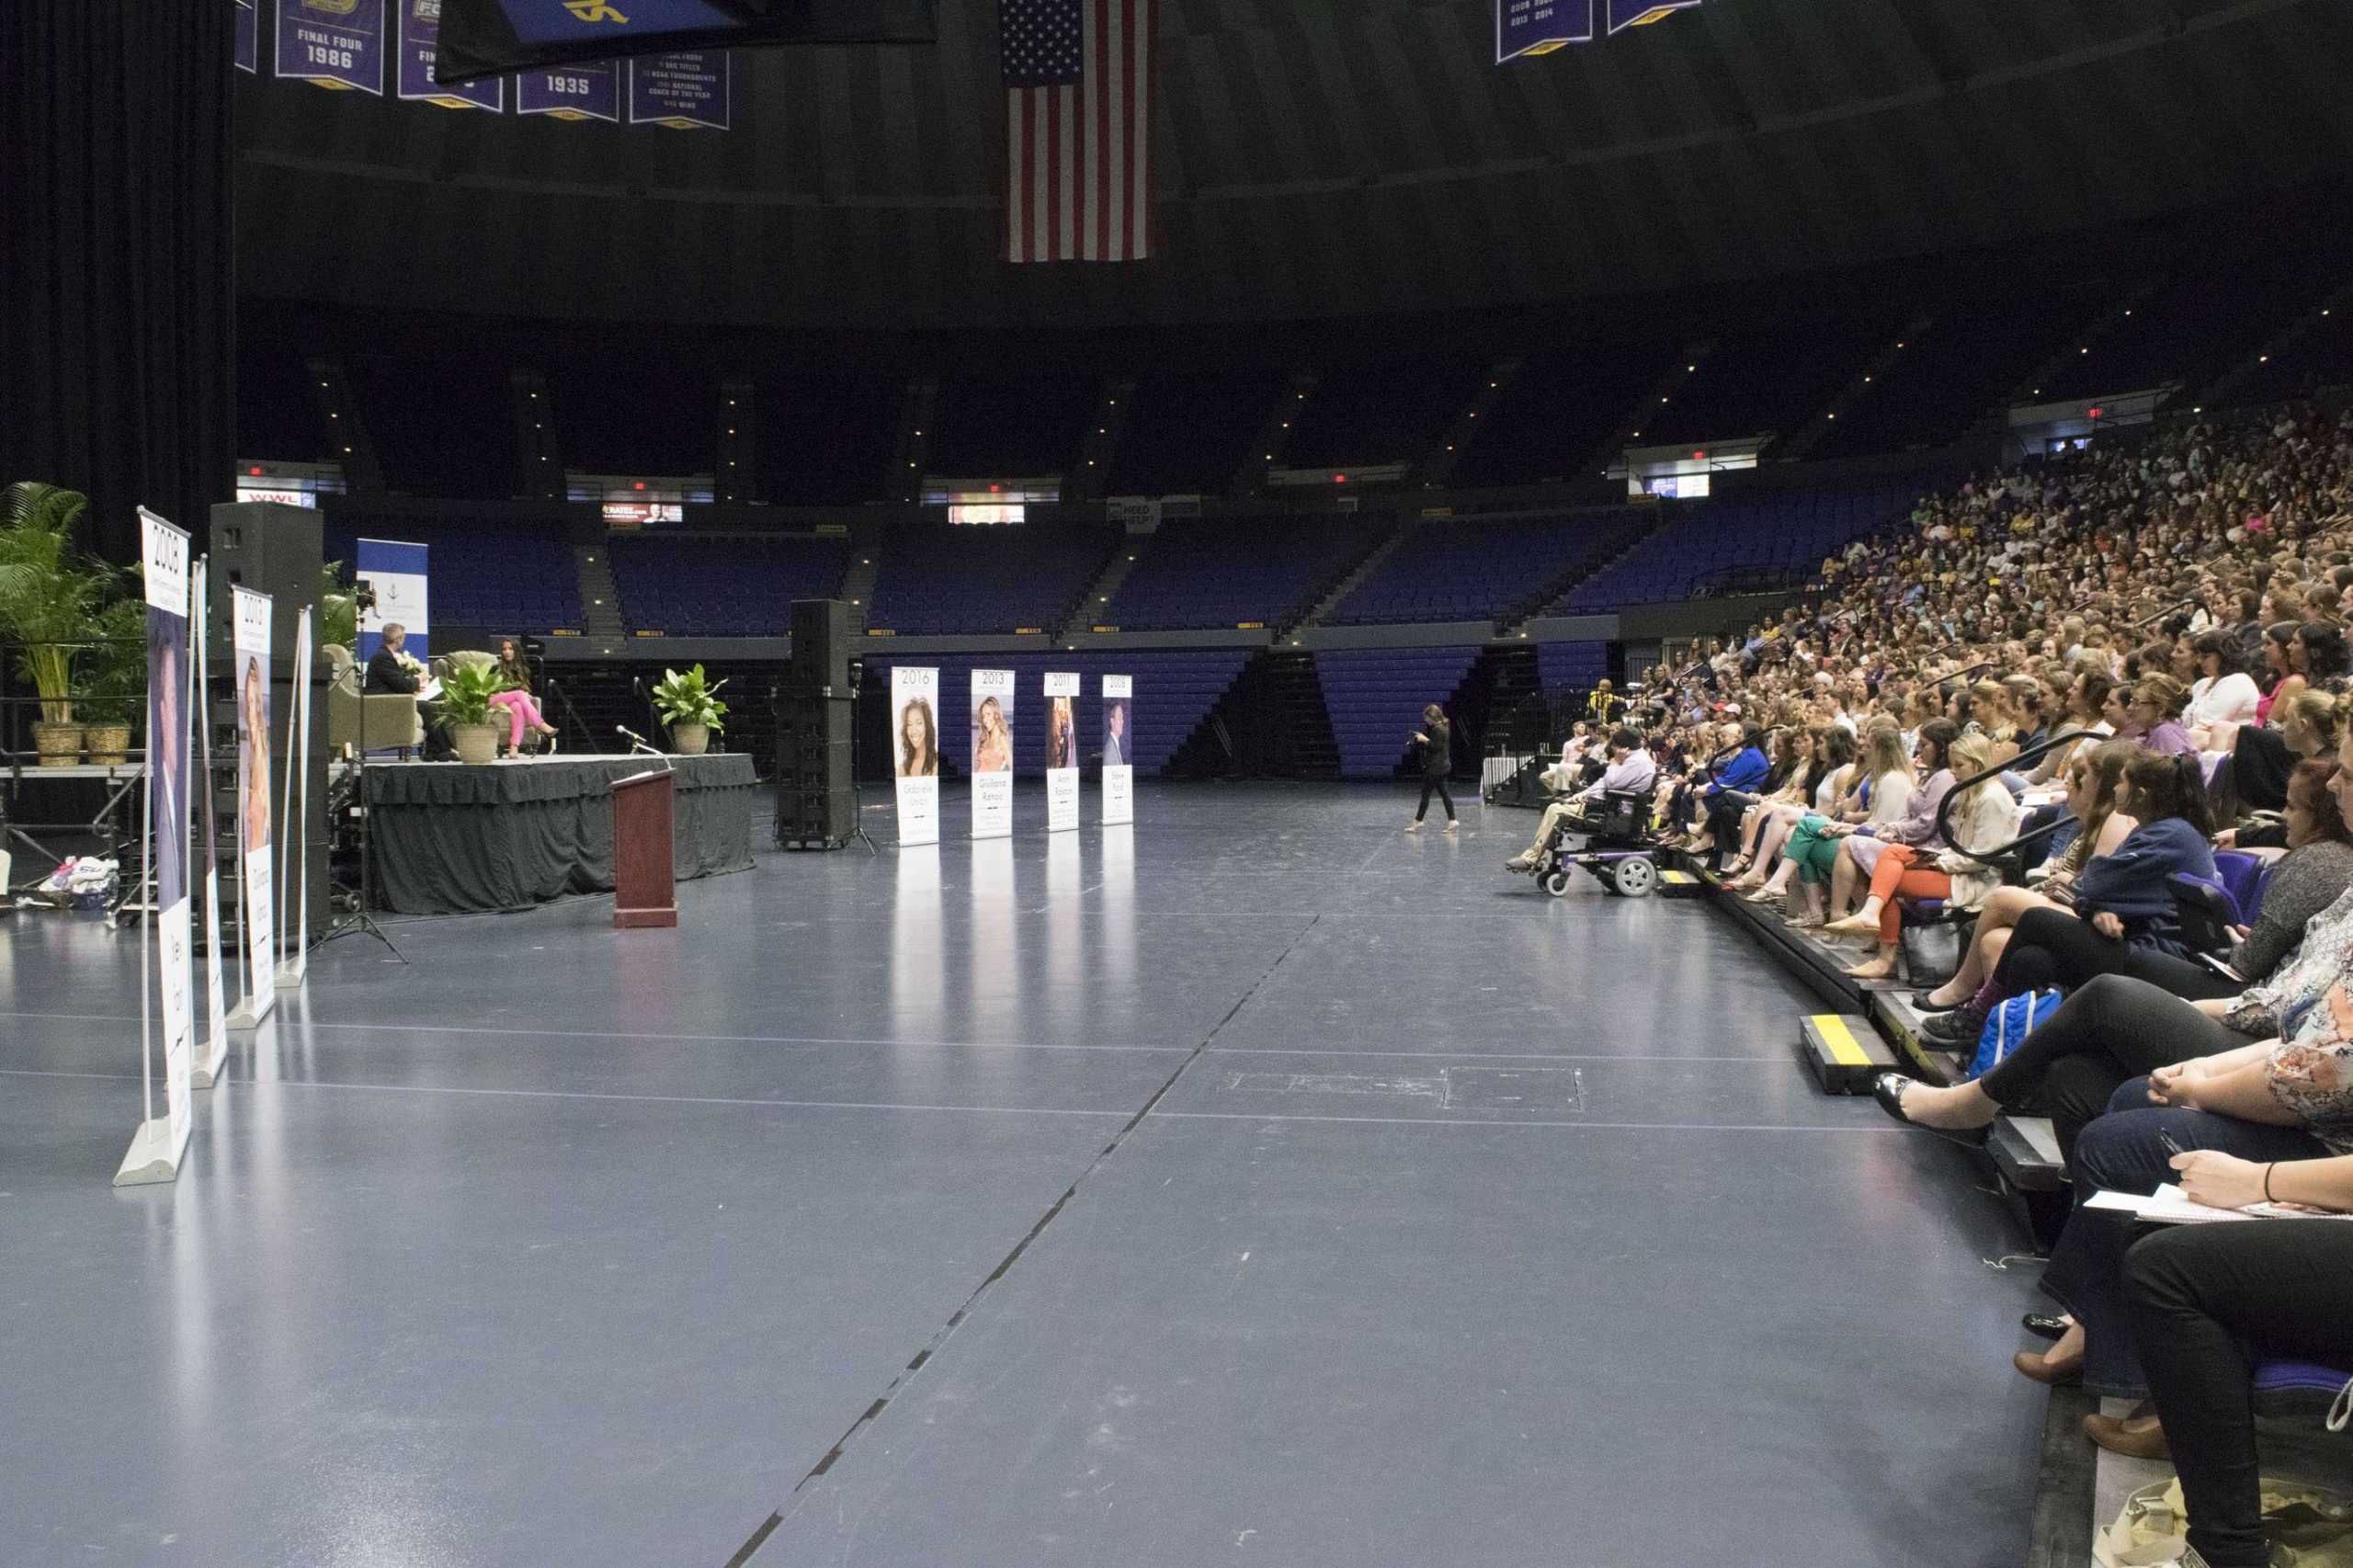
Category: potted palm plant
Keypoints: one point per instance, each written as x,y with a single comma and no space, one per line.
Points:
114,686
466,692
689,704
48,597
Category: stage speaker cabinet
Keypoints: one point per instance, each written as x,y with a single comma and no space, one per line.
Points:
816,805
821,646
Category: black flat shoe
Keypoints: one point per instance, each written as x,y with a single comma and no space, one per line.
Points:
1921,1003
2043,1325
1887,1090
1957,1027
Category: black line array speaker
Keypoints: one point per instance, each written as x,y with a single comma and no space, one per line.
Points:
815,807
821,645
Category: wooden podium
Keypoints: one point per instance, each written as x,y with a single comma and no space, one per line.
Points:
643,892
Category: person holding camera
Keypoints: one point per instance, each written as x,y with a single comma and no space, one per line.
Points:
1437,739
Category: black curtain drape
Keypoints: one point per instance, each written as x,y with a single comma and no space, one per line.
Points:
118,301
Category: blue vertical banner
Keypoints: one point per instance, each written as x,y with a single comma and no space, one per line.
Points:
685,92
1540,26
420,44
394,571
570,92
1624,14
336,43
248,55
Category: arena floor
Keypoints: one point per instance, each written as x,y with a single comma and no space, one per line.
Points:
1260,1184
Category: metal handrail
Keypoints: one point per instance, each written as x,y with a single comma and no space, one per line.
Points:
2000,858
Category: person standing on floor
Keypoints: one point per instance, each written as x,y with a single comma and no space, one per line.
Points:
1436,738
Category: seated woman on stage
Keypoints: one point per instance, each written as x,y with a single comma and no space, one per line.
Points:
522,713
2094,780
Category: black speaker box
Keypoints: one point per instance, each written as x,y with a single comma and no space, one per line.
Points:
821,645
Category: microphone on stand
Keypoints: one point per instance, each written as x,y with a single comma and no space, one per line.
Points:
637,742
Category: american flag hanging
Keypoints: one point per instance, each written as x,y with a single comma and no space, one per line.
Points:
1077,129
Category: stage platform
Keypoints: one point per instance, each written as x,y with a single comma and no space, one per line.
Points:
452,838
1260,1184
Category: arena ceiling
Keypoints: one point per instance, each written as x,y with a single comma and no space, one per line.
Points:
1316,158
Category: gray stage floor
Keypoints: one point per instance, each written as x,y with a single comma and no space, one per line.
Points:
1362,1205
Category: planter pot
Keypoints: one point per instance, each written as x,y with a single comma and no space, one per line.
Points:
690,740
60,745
108,744
476,743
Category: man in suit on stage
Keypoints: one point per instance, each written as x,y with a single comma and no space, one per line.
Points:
387,673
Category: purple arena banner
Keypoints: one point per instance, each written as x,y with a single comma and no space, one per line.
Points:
1624,14
1540,26
685,92
571,92
248,37
336,43
420,43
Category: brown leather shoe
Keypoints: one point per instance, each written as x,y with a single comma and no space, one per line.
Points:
2135,1437
2045,1370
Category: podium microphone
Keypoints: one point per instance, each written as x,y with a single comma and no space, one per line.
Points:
637,742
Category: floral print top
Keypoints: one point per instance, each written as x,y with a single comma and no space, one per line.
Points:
2320,961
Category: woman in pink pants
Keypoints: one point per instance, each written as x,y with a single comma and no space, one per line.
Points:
522,713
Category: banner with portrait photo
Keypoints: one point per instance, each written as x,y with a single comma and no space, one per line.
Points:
212,1053
992,721
1061,752
336,43
164,555
1119,749
254,834
915,751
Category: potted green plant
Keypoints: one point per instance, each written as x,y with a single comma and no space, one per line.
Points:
466,692
114,684
338,611
689,704
49,597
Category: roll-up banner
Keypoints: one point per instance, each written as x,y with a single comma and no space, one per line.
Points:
255,829
419,30
574,92
155,1151
248,43
212,1050
1061,752
915,751
336,43
992,753
1118,754
685,92
395,572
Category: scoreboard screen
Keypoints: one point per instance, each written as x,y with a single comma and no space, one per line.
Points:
489,38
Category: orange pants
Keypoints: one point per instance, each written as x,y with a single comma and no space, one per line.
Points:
1895,876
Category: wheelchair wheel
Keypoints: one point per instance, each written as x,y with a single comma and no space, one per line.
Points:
1556,881
1633,877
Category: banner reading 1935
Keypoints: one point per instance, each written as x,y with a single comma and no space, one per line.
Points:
336,43
571,92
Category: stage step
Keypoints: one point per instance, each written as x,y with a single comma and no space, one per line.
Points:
1679,884
1843,1051
2026,1151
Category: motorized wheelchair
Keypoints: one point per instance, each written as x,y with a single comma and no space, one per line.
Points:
1617,846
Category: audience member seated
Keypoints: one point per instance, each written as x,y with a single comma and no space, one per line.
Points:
1631,770
1826,770
1983,817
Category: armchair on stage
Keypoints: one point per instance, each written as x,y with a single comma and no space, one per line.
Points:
385,722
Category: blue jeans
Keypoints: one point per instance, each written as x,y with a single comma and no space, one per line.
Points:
2124,1152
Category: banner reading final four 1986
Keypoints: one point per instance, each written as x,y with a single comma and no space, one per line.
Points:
1061,752
915,751
254,834
336,43
992,754
1118,754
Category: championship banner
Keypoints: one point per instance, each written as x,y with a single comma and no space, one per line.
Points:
155,1153
1061,752
685,92
249,50
420,44
1540,26
336,43
212,1053
915,751
992,754
1119,753
577,92
254,826
396,572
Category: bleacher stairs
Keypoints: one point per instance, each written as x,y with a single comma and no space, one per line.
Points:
857,583
1096,598
1364,569
600,596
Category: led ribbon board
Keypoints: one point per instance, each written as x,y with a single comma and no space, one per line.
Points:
488,38
1540,26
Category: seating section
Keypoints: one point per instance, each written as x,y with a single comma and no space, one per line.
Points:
1374,698
1725,545
1559,413
499,574
723,584
1189,434
1571,667
826,440
441,427
1483,568
1774,377
1203,573
1002,428
1175,689
1379,414
941,579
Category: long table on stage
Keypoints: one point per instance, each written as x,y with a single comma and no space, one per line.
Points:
448,838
